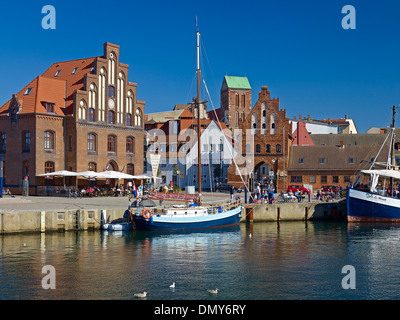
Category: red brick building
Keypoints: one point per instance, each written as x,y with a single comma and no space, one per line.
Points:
78,115
266,140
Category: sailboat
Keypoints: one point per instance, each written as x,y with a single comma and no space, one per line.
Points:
196,216
373,203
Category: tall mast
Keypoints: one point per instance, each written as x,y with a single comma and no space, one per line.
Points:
198,113
392,146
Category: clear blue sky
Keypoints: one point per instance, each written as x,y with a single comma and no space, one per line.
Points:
297,48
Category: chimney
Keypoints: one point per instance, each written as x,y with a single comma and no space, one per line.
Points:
309,118
345,116
299,117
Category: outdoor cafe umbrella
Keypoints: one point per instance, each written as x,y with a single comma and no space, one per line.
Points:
62,173
117,175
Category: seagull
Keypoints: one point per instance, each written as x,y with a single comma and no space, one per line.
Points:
172,285
250,235
213,291
140,295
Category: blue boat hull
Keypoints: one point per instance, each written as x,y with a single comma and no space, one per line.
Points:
160,223
364,206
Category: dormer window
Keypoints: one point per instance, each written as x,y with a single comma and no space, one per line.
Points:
50,107
28,91
57,73
74,71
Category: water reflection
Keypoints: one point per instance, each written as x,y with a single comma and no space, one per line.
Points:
291,260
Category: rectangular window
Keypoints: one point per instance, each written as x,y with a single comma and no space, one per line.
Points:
26,141
347,179
111,91
3,140
312,179
335,179
50,107
301,160
48,140
324,179
91,142
296,179
322,160
351,160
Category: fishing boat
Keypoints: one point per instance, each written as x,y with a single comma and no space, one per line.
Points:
196,215
378,200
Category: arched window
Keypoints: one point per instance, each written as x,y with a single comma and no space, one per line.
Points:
130,168
91,142
268,148
278,148
138,117
49,140
111,117
92,166
237,100
48,167
130,145
91,115
128,119
258,148
26,141
236,118
273,124
111,143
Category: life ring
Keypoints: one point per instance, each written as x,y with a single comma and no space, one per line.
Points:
146,213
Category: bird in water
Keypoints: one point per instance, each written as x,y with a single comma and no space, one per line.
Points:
213,291
172,286
141,295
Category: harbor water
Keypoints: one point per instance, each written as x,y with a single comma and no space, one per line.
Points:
260,261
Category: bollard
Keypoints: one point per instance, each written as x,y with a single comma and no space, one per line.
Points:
249,215
278,214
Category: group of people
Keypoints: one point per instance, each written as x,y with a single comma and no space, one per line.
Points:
120,190
264,195
326,195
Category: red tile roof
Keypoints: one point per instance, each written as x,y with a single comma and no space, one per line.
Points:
48,88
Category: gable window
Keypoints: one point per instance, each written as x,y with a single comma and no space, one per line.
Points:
91,115
351,160
3,140
111,91
49,140
322,160
74,71
301,160
57,73
111,144
111,117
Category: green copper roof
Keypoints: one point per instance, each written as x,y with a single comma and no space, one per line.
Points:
237,82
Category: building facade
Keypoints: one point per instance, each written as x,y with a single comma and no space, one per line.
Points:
78,115
265,138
